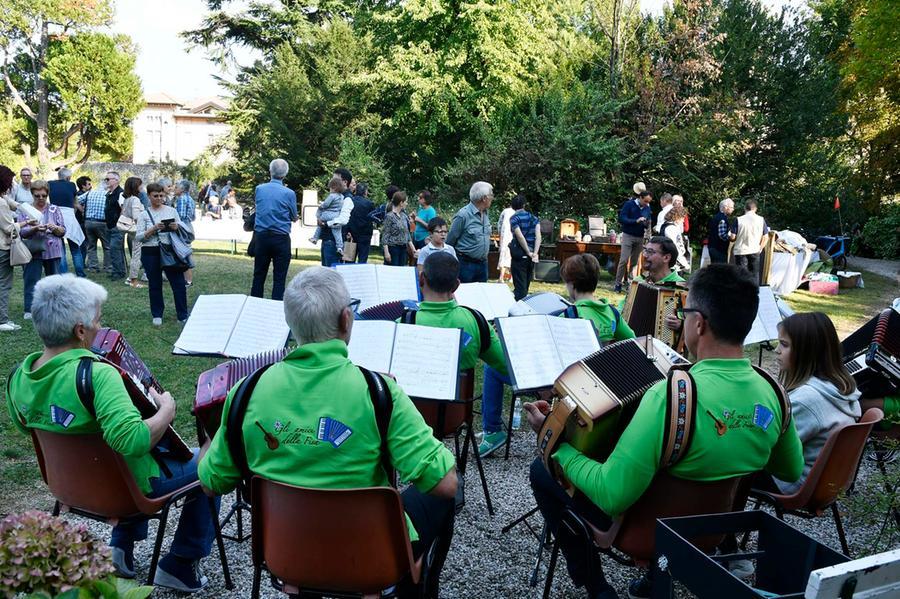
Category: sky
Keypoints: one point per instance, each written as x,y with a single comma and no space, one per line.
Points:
166,63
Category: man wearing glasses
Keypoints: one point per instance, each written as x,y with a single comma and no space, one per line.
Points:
660,255
741,427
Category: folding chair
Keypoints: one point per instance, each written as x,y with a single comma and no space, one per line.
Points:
88,478
326,542
832,473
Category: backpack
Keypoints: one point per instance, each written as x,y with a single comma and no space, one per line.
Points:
484,330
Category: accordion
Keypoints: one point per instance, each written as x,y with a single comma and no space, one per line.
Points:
647,307
213,386
388,310
872,355
138,380
596,397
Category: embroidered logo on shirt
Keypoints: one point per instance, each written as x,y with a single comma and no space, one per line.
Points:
333,431
762,416
271,442
721,427
61,416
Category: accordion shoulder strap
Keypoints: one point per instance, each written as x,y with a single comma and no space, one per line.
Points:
408,316
484,330
781,394
681,410
84,384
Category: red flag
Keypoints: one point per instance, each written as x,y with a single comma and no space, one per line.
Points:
837,203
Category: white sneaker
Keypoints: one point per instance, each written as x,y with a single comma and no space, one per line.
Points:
9,326
741,568
27,316
157,322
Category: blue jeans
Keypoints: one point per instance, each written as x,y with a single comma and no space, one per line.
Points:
77,260
117,253
398,256
492,400
195,532
31,274
329,253
473,272
153,269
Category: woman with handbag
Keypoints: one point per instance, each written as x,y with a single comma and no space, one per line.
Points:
154,229
127,223
9,237
44,239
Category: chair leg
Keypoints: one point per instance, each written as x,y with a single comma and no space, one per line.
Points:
220,543
484,485
840,528
257,575
56,508
467,438
746,536
542,542
157,545
551,568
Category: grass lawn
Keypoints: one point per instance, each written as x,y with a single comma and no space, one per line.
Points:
220,271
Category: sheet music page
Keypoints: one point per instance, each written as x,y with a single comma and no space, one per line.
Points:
210,324
765,325
371,344
499,297
530,350
545,303
396,283
426,361
470,294
260,327
361,282
575,338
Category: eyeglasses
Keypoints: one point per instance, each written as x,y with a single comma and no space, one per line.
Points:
440,232
649,251
110,179
354,304
680,312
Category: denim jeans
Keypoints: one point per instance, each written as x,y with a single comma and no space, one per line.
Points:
398,256
274,248
6,281
31,274
492,400
117,253
473,272
329,253
195,532
153,269
96,231
77,259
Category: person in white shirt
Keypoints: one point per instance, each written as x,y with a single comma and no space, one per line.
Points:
749,238
665,203
506,237
437,232
23,189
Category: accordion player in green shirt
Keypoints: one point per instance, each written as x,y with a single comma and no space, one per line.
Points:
741,426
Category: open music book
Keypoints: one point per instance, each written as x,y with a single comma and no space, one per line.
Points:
491,299
765,325
539,303
234,326
424,360
538,347
375,284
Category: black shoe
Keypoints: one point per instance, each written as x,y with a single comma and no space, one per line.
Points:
606,593
640,589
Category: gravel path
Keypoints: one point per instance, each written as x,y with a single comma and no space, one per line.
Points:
886,268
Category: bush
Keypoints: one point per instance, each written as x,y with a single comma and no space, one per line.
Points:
882,233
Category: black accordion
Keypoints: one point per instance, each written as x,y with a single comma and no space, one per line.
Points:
872,355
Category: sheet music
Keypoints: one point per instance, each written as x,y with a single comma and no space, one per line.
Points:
765,325
260,327
530,351
210,324
371,344
426,361
575,338
396,283
491,299
361,282
545,303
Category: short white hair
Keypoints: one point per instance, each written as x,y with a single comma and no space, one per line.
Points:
639,188
165,182
313,303
479,190
725,202
62,302
185,186
64,173
278,168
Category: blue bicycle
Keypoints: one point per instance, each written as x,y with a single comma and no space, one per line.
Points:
838,247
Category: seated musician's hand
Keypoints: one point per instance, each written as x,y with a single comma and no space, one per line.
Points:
536,412
165,402
673,322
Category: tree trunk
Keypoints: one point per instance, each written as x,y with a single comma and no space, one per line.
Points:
43,108
615,40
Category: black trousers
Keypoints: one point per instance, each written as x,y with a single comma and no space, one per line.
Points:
582,559
272,248
750,262
433,518
522,269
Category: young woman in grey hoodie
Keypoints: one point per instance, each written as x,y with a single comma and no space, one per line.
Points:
823,393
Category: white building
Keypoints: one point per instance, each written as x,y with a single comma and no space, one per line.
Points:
169,129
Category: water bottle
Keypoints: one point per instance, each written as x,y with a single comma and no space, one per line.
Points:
517,415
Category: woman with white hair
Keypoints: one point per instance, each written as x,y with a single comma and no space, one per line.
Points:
47,241
43,395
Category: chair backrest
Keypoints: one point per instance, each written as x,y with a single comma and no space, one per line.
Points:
84,473
835,469
547,227
349,541
667,497
455,414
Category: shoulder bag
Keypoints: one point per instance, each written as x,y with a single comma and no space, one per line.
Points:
19,254
127,223
167,256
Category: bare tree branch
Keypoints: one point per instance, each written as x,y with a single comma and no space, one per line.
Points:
17,98
65,140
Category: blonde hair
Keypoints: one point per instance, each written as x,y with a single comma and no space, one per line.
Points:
40,184
639,188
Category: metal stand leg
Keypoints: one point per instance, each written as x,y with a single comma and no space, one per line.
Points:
220,543
509,427
542,542
520,520
237,508
487,495
548,583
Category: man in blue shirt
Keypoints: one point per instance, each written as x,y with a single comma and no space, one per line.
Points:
634,217
62,193
276,209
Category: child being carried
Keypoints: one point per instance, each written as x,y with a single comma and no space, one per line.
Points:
329,210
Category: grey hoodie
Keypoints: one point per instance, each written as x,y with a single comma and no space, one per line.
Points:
818,408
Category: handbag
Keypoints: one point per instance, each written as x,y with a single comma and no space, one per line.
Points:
350,249
19,254
168,258
127,224
37,243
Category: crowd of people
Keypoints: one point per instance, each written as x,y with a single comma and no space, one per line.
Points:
765,443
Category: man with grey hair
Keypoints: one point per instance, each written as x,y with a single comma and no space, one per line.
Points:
276,209
470,234
317,408
718,233
23,189
62,194
43,395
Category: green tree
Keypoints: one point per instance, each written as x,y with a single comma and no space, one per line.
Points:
76,88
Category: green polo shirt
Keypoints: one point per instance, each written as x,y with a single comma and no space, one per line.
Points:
602,316
46,398
672,277
450,315
737,432
316,404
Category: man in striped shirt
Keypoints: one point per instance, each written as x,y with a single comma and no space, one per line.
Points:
95,229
